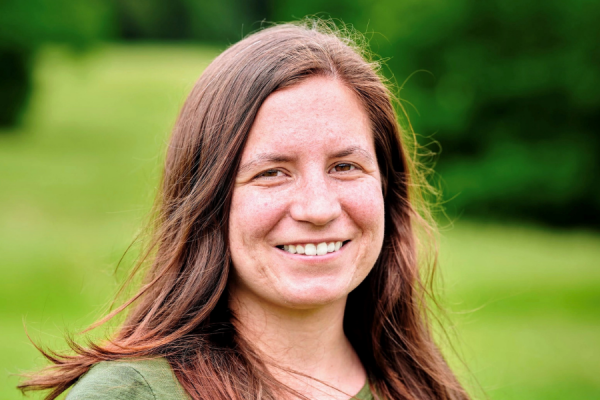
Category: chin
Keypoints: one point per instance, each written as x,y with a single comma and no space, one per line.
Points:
314,296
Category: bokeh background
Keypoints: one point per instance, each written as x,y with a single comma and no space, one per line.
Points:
506,92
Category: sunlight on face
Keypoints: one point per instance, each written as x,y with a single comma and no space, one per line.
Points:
307,215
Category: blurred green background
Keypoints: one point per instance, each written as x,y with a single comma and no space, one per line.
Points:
510,91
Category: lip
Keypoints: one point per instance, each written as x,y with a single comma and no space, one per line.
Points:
311,241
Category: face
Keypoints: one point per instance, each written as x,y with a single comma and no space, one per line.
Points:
308,183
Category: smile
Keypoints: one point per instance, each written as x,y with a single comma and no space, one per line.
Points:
313,249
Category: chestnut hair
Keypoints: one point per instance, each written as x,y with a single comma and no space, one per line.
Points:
181,312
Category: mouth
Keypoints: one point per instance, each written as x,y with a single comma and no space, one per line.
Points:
313,249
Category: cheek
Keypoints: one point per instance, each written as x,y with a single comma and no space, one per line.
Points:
253,214
365,207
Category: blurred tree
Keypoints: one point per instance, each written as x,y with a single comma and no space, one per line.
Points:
27,24
225,21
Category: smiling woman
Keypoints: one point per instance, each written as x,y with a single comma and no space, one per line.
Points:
284,261
308,180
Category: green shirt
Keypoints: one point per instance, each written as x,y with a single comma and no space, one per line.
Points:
139,380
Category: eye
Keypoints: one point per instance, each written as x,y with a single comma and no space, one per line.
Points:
344,167
270,173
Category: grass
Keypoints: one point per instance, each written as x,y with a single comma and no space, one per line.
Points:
77,179
525,302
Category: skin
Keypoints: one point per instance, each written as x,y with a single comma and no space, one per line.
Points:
308,174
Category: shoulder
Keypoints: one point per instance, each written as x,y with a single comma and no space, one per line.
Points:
365,393
128,380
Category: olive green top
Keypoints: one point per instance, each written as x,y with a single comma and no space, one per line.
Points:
138,380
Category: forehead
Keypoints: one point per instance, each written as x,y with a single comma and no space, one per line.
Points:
319,113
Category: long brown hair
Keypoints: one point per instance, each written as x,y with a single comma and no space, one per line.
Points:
181,312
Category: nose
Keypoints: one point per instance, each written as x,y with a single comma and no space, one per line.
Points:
316,202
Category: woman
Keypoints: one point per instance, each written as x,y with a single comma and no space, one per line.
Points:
284,263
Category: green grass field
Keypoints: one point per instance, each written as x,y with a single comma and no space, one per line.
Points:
77,179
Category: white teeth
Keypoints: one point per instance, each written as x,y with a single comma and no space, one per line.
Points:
311,249
321,249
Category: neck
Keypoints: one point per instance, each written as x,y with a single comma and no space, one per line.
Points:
309,342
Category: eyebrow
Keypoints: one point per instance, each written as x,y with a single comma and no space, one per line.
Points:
353,150
266,158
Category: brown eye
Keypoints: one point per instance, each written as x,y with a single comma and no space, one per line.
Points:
271,173
344,167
